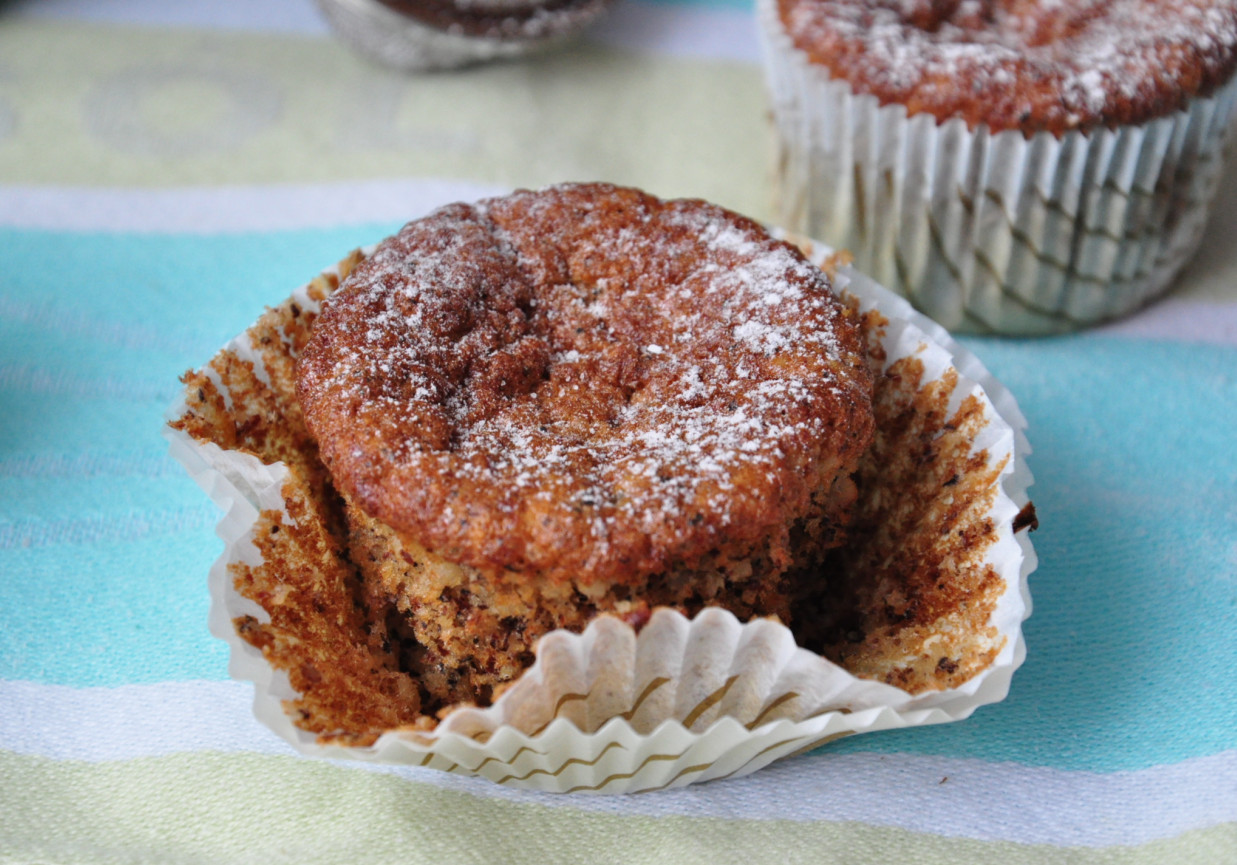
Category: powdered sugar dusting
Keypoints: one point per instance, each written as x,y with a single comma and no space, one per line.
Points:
636,370
1026,62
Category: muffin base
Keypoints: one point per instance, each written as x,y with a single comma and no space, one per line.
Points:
466,633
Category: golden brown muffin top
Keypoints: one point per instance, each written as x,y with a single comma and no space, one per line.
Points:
1033,65
584,382
501,19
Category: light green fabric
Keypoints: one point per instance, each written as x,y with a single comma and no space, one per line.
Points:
163,108
241,808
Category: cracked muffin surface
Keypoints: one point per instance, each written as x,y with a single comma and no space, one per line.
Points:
579,400
585,383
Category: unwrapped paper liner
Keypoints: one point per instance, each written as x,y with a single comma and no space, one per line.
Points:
992,232
683,701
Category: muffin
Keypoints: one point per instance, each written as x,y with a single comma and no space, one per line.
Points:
1011,167
422,35
534,489
582,400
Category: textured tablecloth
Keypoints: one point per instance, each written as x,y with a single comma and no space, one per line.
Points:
167,169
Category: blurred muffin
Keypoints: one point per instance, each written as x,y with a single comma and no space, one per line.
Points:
422,35
1017,167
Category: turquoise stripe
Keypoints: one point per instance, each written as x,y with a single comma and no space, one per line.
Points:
60,361
82,497
68,426
94,351
1134,635
176,296
132,609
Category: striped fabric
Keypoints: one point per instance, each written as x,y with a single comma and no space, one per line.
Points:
168,169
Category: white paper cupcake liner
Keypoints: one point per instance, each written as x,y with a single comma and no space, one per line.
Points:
992,232
398,41
682,701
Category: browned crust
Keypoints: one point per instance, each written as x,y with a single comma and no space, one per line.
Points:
1023,64
501,19
587,383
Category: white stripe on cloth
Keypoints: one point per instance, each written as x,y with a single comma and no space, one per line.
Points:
213,209
948,796
1181,318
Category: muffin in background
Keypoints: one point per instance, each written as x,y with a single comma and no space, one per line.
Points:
425,35
1009,167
